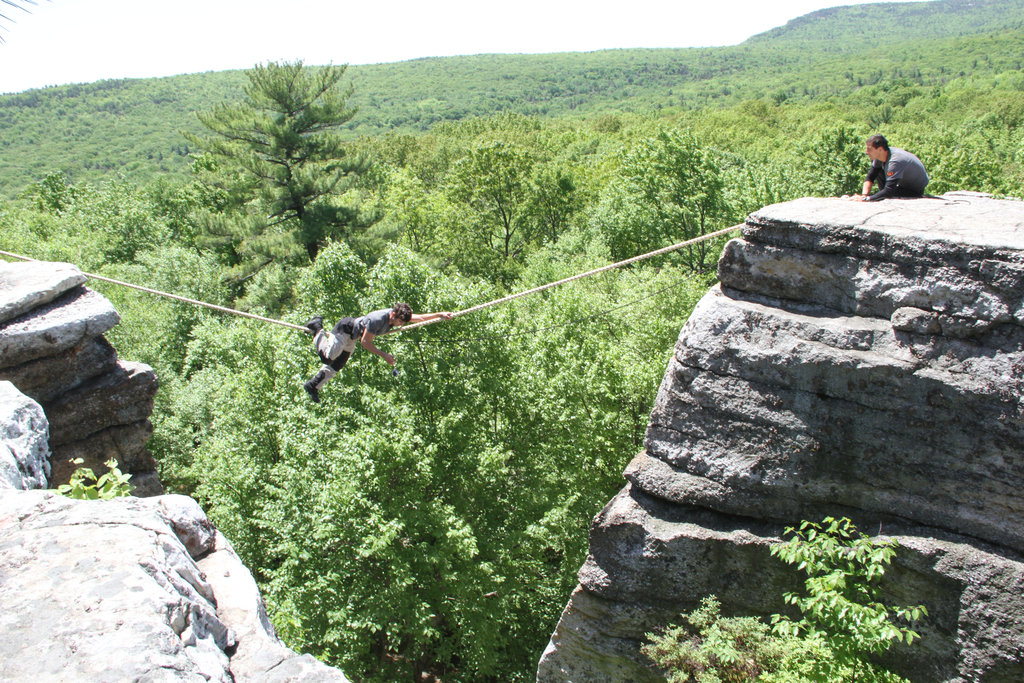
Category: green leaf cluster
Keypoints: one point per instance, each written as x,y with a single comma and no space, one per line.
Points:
839,604
842,629
668,189
85,485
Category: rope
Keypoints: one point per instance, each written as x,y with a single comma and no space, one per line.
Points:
619,264
473,309
186,300
536,330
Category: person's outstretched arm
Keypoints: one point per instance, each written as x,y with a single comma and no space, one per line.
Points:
424,317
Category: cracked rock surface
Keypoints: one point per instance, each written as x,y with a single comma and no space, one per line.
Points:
857,359
132,589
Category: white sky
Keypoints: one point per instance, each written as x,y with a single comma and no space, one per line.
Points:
80,41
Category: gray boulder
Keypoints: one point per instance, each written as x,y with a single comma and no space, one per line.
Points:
103,590
46,379
121,397
24,454
25,286
52,348
61,324
128,589
131,589
814,417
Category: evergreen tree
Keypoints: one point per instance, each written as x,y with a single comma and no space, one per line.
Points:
278,157
16,4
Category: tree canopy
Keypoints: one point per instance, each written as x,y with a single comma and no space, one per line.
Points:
92,131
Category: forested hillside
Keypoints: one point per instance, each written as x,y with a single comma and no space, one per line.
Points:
133,127
431,524
848,26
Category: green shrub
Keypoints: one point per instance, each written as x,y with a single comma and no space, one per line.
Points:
713,649
85,486
840,606
842,625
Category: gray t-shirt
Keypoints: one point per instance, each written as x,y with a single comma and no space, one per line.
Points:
377,322
904,175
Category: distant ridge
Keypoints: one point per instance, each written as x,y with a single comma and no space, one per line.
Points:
929,20
133,126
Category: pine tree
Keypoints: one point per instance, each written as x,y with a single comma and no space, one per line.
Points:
280,164
16,4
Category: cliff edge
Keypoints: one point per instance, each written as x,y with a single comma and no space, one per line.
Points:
53,349
131,589
857,359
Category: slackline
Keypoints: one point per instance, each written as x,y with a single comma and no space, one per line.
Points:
473,309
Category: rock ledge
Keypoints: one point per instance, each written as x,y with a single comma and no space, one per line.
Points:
860,360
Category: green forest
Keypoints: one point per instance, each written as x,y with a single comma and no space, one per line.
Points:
431,523
134,127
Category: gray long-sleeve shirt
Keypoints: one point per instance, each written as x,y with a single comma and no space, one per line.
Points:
903,175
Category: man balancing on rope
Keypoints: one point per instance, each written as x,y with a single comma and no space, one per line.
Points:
335,347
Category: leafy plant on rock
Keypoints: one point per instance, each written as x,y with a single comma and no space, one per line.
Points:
85,485
711,649
843,622
840,606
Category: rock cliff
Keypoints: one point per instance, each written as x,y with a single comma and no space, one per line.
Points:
132,589
857,359
52,348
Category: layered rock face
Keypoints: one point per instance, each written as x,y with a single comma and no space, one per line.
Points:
131,589
858,359
53,350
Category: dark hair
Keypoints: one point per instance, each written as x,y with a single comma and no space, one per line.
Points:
879,141
402,312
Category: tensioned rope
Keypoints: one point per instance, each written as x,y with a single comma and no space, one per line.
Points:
546,328
186,300
580,276
473,309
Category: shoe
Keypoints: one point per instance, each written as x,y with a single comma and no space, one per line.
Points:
312,386
315,324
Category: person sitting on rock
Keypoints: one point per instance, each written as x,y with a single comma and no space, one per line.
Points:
897,172
335,347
